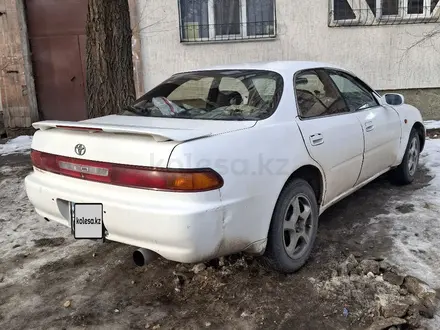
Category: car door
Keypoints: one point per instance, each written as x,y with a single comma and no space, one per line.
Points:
381,124
333,136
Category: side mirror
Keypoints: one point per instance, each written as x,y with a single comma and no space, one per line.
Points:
394,99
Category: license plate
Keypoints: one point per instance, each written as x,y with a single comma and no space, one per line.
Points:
87,221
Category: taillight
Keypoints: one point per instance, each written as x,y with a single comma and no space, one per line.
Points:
194,180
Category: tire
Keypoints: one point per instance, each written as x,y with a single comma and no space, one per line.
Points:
281,254
404,174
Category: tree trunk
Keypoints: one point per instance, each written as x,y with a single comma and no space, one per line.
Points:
109,74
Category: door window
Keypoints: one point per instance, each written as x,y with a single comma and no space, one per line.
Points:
317,96
356,96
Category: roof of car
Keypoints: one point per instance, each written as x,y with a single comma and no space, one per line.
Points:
277,66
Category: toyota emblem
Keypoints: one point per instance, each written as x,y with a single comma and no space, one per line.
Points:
80,149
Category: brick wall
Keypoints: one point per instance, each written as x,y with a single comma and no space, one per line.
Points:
13,100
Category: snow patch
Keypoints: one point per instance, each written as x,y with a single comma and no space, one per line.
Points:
20,227
432,324
416,235
21,144
8,170
432,124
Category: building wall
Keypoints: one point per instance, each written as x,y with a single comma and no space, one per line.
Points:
13,90
378,54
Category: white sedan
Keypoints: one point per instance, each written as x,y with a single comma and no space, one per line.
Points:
240,158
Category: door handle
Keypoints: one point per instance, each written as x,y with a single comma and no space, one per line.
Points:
316,139
369,126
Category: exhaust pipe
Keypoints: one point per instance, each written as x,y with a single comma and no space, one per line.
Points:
142,257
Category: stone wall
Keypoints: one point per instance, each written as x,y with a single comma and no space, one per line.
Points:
13,91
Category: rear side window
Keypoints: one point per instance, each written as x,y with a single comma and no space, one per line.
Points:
356,96
317,96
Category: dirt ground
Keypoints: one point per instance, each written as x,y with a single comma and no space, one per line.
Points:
50,281
433,133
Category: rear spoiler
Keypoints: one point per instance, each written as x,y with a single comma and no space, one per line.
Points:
157,133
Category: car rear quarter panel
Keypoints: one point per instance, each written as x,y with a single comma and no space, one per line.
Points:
255,164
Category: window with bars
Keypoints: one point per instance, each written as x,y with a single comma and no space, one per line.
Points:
211,20
376,12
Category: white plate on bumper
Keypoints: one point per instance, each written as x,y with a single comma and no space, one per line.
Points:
87,221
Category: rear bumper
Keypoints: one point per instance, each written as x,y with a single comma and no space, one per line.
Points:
179,227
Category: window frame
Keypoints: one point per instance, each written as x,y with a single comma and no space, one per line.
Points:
212,36
402,11
211,17
353,21
375,94
355,80
402,14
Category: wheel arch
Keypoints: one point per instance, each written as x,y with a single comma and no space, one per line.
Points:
313,176
418,126
310,173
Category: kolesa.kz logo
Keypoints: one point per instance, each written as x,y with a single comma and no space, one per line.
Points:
87,221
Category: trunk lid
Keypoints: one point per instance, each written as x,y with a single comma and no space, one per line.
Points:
130,140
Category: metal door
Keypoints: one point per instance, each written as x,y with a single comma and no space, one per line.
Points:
57,38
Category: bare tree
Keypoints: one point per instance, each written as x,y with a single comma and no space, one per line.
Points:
109,76
427,37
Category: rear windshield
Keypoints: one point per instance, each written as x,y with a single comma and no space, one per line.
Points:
212,95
